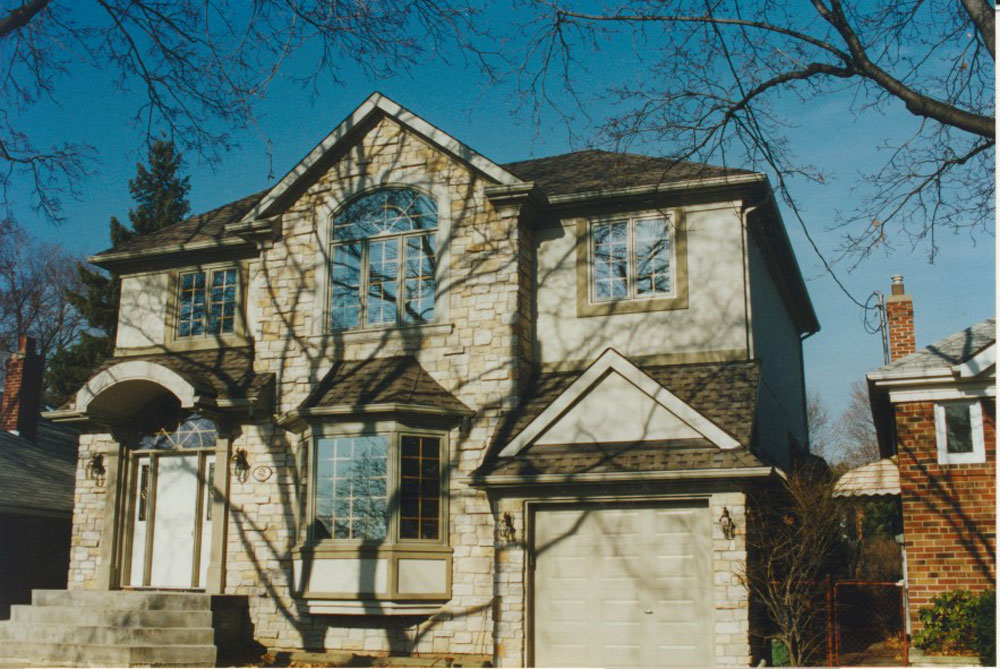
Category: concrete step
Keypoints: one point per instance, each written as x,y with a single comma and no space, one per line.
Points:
105,635
101,617
97,655
132,600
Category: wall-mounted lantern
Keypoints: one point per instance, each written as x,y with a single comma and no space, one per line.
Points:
96,471
241,465
727,524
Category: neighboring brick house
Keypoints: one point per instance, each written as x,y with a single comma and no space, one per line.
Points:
409,401
37,465
935,413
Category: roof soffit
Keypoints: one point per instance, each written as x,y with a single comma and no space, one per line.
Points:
376,105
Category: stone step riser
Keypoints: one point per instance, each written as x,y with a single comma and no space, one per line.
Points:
129,600
97,655
72,616
79,634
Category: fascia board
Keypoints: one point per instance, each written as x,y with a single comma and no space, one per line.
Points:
621,477
653,189
116,257
978,363
378,102
612,360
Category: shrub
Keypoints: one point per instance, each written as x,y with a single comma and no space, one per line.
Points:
986,628
950,624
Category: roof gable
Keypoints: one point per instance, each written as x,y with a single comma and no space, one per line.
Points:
567,415
964,349
376,104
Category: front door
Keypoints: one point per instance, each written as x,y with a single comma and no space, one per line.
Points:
167,541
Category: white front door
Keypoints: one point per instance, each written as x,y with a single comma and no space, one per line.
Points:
623,586
171,521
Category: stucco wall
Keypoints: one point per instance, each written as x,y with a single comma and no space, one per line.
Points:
143,310
776,343
714,320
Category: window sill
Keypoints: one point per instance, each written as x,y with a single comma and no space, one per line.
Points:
402,333
194,344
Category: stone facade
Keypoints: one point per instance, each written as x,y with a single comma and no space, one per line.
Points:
949,511
480,349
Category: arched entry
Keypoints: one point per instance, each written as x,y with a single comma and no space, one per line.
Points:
167,477
168,512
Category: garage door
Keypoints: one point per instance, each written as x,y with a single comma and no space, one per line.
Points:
623,586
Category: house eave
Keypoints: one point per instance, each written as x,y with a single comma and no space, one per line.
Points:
506,481
290,418
116,258
732,181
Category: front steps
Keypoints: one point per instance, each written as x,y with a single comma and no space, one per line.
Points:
110,629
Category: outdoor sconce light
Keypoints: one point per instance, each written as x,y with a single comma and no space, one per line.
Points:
507,531
241,466
95,469
727,524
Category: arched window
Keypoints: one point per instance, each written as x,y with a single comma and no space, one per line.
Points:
384,262
165,427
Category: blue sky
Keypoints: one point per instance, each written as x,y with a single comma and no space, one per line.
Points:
956,291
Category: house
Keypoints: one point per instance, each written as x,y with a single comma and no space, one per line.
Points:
409,401
37,473
935,415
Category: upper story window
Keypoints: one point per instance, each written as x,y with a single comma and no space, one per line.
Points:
632,259
378,487
959,432
384,262
207,302
632,264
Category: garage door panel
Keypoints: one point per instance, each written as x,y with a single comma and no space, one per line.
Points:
646,599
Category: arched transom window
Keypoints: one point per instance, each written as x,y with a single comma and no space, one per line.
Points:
383,260
164,426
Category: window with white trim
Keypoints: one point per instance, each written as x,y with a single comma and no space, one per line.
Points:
383,260
207,301
959,431
381,488
632,259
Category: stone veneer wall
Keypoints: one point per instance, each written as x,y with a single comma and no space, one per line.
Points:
732,622
949,511
478,352
89,500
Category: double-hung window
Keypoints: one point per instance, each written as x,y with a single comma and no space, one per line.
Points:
378,488
383,260
959,432
206,302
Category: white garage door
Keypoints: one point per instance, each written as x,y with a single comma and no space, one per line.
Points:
618,586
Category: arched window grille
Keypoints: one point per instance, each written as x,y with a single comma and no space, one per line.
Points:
164,426
383,260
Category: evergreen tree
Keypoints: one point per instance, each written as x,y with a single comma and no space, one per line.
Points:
160,194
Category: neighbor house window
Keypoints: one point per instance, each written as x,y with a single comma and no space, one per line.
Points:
378,488
632,259
207,302
959,431
384,260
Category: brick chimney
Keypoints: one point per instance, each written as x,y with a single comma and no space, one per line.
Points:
899,316
22,391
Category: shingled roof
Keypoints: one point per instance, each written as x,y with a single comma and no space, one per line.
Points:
38,478
224,373
207,227
396,380
594,170
556,175
953,350
725,393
